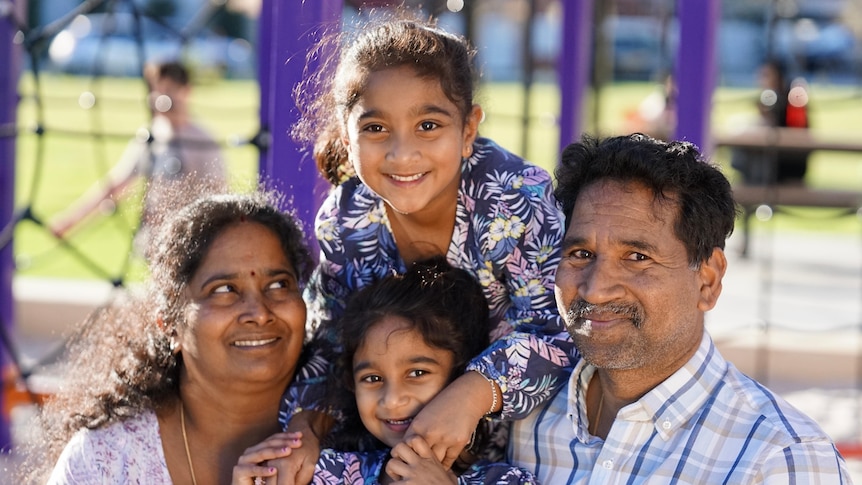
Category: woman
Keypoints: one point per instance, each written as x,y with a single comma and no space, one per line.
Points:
171,385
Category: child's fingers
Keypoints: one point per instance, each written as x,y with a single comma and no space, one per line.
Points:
397,469
419,446
404,452
246,474
276,446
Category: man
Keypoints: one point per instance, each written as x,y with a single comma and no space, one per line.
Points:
651,400
179,159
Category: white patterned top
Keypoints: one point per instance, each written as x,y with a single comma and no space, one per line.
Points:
128,451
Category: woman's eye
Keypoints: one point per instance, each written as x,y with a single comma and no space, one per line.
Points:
223,289
285,284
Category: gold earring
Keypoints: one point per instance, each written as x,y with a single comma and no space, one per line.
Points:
175,346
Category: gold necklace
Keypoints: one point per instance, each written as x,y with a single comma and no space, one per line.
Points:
595,426
186,442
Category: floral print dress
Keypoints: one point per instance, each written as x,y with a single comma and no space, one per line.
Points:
337,468
507,234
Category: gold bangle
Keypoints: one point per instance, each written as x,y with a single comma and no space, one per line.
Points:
494,394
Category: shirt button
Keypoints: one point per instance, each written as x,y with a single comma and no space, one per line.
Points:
666,424
608,464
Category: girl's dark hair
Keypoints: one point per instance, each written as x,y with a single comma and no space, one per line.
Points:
119,361
445,305
392,38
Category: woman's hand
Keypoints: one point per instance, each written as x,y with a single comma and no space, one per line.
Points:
253,464
417,465
447,423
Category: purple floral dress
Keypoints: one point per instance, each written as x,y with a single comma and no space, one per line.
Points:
336,468
508,232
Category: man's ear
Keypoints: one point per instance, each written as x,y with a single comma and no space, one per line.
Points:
711,273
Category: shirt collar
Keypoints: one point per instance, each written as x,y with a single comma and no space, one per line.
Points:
669,405
576,408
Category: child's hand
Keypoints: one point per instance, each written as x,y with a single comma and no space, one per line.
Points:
297,468
447,422
417,465
253,464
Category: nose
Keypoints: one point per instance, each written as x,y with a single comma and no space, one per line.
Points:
256,309
600,281
393,396
402,148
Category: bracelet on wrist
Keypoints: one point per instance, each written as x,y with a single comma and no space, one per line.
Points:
493,408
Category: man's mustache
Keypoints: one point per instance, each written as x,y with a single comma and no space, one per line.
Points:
580,308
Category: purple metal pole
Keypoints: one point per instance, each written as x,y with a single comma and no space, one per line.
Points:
695,68
10,58
574,67
288,29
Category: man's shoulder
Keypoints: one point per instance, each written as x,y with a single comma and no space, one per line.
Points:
765,412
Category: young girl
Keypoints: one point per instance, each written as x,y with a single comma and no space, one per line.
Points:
398,112
405,338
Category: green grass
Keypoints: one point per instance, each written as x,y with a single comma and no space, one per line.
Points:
53,172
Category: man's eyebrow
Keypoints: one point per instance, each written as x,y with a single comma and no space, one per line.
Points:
640,244
570,241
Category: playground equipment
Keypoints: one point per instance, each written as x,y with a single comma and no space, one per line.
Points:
287,28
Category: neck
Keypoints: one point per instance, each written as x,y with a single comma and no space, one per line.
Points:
422,235
243,420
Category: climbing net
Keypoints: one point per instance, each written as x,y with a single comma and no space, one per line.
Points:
71,130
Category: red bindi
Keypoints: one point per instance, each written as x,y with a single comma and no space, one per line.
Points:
252,273
241,218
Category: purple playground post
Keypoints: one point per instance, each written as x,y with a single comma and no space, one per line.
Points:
288,29
573,67
695,69
10,58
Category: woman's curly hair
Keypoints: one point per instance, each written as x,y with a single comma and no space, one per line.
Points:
119,361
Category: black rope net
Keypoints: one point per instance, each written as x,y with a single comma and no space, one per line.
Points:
81,113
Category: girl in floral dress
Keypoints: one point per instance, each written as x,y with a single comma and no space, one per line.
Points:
395,129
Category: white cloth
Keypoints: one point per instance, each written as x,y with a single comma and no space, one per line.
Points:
126,452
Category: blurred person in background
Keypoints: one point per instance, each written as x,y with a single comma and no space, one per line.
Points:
656,114
178,152
781,104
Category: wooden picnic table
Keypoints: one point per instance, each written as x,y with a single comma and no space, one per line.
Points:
774,141
786,139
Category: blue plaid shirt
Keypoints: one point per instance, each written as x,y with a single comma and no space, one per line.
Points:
707,423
